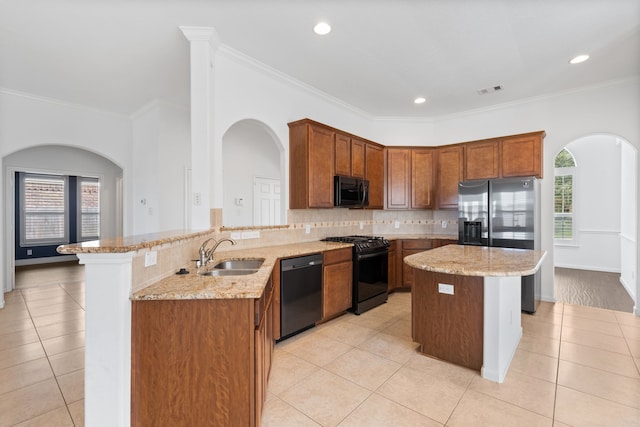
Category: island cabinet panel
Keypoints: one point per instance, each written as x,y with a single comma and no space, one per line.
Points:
398,178
449,173
192,360
374,164
311,165
343,155
482,160
337,282
522,155
449,327
358,169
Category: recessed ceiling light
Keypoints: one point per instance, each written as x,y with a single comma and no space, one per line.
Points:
420,100
322,28
578,59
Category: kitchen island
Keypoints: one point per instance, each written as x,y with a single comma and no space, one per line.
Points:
466,304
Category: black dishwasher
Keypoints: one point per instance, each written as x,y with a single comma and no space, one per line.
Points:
300,294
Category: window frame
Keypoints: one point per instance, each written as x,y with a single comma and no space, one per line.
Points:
24,241
566,171
79,214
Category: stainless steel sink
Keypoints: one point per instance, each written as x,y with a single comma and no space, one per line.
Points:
234,267
240,264
228,272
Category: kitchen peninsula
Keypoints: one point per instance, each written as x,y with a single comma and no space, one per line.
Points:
466,304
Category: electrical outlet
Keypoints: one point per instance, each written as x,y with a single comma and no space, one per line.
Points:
444,224
361,225
29,252
396,224
197,199
150,258
307,229
445,289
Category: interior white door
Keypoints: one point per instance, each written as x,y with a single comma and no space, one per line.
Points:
266,201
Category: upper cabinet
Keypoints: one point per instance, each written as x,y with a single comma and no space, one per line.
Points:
350,156
311,165
448,173
522,155
482,159
374,166
358,158
510,156
410,178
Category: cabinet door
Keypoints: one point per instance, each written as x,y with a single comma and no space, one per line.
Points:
343,155
357,158
320,174
410,247
482,160
374,162
336,289
449,174
392,272
522,155
422,179
398,178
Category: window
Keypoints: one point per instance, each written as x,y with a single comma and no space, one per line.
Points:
564,220
44,210
88,209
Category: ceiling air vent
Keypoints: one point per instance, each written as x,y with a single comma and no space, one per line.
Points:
489,90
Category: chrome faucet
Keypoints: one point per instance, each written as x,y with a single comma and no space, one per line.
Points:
206,255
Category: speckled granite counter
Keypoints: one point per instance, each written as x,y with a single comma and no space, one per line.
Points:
478,261
195,286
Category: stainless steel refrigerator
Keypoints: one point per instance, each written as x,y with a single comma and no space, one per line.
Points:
503,213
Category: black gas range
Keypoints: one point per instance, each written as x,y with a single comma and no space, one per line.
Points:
370,270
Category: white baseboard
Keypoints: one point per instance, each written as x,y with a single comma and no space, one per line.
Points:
589,267
627,288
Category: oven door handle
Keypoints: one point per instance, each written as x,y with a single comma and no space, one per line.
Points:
373,255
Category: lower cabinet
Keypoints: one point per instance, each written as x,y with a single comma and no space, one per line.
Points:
392,266
337,282
200,362
408,247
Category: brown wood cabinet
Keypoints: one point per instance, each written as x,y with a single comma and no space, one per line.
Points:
522,155
422,162
482,160
449,173
358,169
509,156
398,178
410,178
194,360
337,282
374,165
392,270
410,247
311,165
343,155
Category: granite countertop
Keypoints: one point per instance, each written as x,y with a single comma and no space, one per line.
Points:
195,286
128,244
478,261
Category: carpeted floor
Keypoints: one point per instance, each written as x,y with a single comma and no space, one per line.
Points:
592,289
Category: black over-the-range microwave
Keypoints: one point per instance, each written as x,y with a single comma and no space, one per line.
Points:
350,192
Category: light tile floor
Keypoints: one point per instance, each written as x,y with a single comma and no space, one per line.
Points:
42,356
575,366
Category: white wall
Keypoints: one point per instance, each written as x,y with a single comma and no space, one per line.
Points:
248,151
628,212
597,206
161,153
28,121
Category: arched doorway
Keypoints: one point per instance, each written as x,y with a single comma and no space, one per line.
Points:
595,212
59,161
253,168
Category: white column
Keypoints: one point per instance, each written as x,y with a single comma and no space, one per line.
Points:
201,48
107,366
502,329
